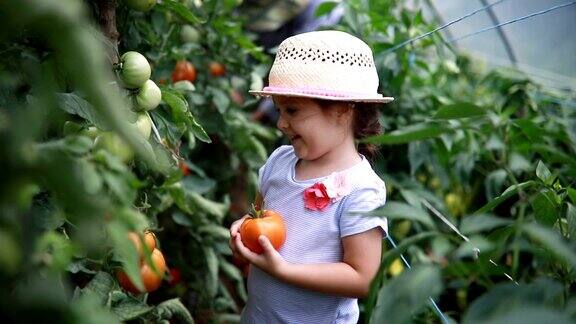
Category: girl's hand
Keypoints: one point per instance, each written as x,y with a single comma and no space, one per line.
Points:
234,228
269,261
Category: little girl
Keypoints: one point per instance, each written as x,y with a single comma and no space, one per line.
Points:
324,86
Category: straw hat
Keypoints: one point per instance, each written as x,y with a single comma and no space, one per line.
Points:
329,64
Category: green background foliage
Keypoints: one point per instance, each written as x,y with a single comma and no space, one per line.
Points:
488,151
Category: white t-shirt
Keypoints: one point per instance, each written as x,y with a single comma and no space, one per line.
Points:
312,236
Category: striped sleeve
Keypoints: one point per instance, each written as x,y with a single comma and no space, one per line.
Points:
355,216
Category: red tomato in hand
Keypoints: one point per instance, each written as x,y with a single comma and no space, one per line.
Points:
264,222
184,70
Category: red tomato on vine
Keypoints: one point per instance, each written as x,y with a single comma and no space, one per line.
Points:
217,69
184,70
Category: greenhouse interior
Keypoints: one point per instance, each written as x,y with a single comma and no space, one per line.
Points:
288,161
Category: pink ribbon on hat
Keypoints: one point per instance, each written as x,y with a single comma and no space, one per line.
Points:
321,92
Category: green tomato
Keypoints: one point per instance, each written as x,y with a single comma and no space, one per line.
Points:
189,34
144,125
114,145
148,96
140,5
135,70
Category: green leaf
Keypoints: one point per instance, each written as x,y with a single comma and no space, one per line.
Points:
182,11
79,145
130,308
536,314
177,102
234,273
325,8
459,110
505,299
572,194
100,286
88,310
182,219
119,186
518,162
509,192
211,207
410,133
494,182
216,231
74,104
198,184
90,176
198,131
545,207
481,222
230,270
220,99
543,173
552,241
135,220
80,265
179,195
407,294
177,309
571,220
212,273
398,210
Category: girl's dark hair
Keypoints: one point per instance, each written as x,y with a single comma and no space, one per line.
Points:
366,123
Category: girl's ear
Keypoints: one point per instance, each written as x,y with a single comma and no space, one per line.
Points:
344,112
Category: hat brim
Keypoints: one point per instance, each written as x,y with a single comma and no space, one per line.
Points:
269,93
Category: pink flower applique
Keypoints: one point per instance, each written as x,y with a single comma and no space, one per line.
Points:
320,194
316,197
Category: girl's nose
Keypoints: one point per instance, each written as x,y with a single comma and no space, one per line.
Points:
281,124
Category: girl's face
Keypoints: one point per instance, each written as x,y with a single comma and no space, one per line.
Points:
312,129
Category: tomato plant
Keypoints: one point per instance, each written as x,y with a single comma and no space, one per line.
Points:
263,222
87,171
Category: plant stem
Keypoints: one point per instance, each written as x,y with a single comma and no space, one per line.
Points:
107,21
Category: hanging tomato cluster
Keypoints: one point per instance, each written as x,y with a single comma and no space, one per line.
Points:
142,95
151,274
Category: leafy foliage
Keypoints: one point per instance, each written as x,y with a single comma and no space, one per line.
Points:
490,152
68,200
